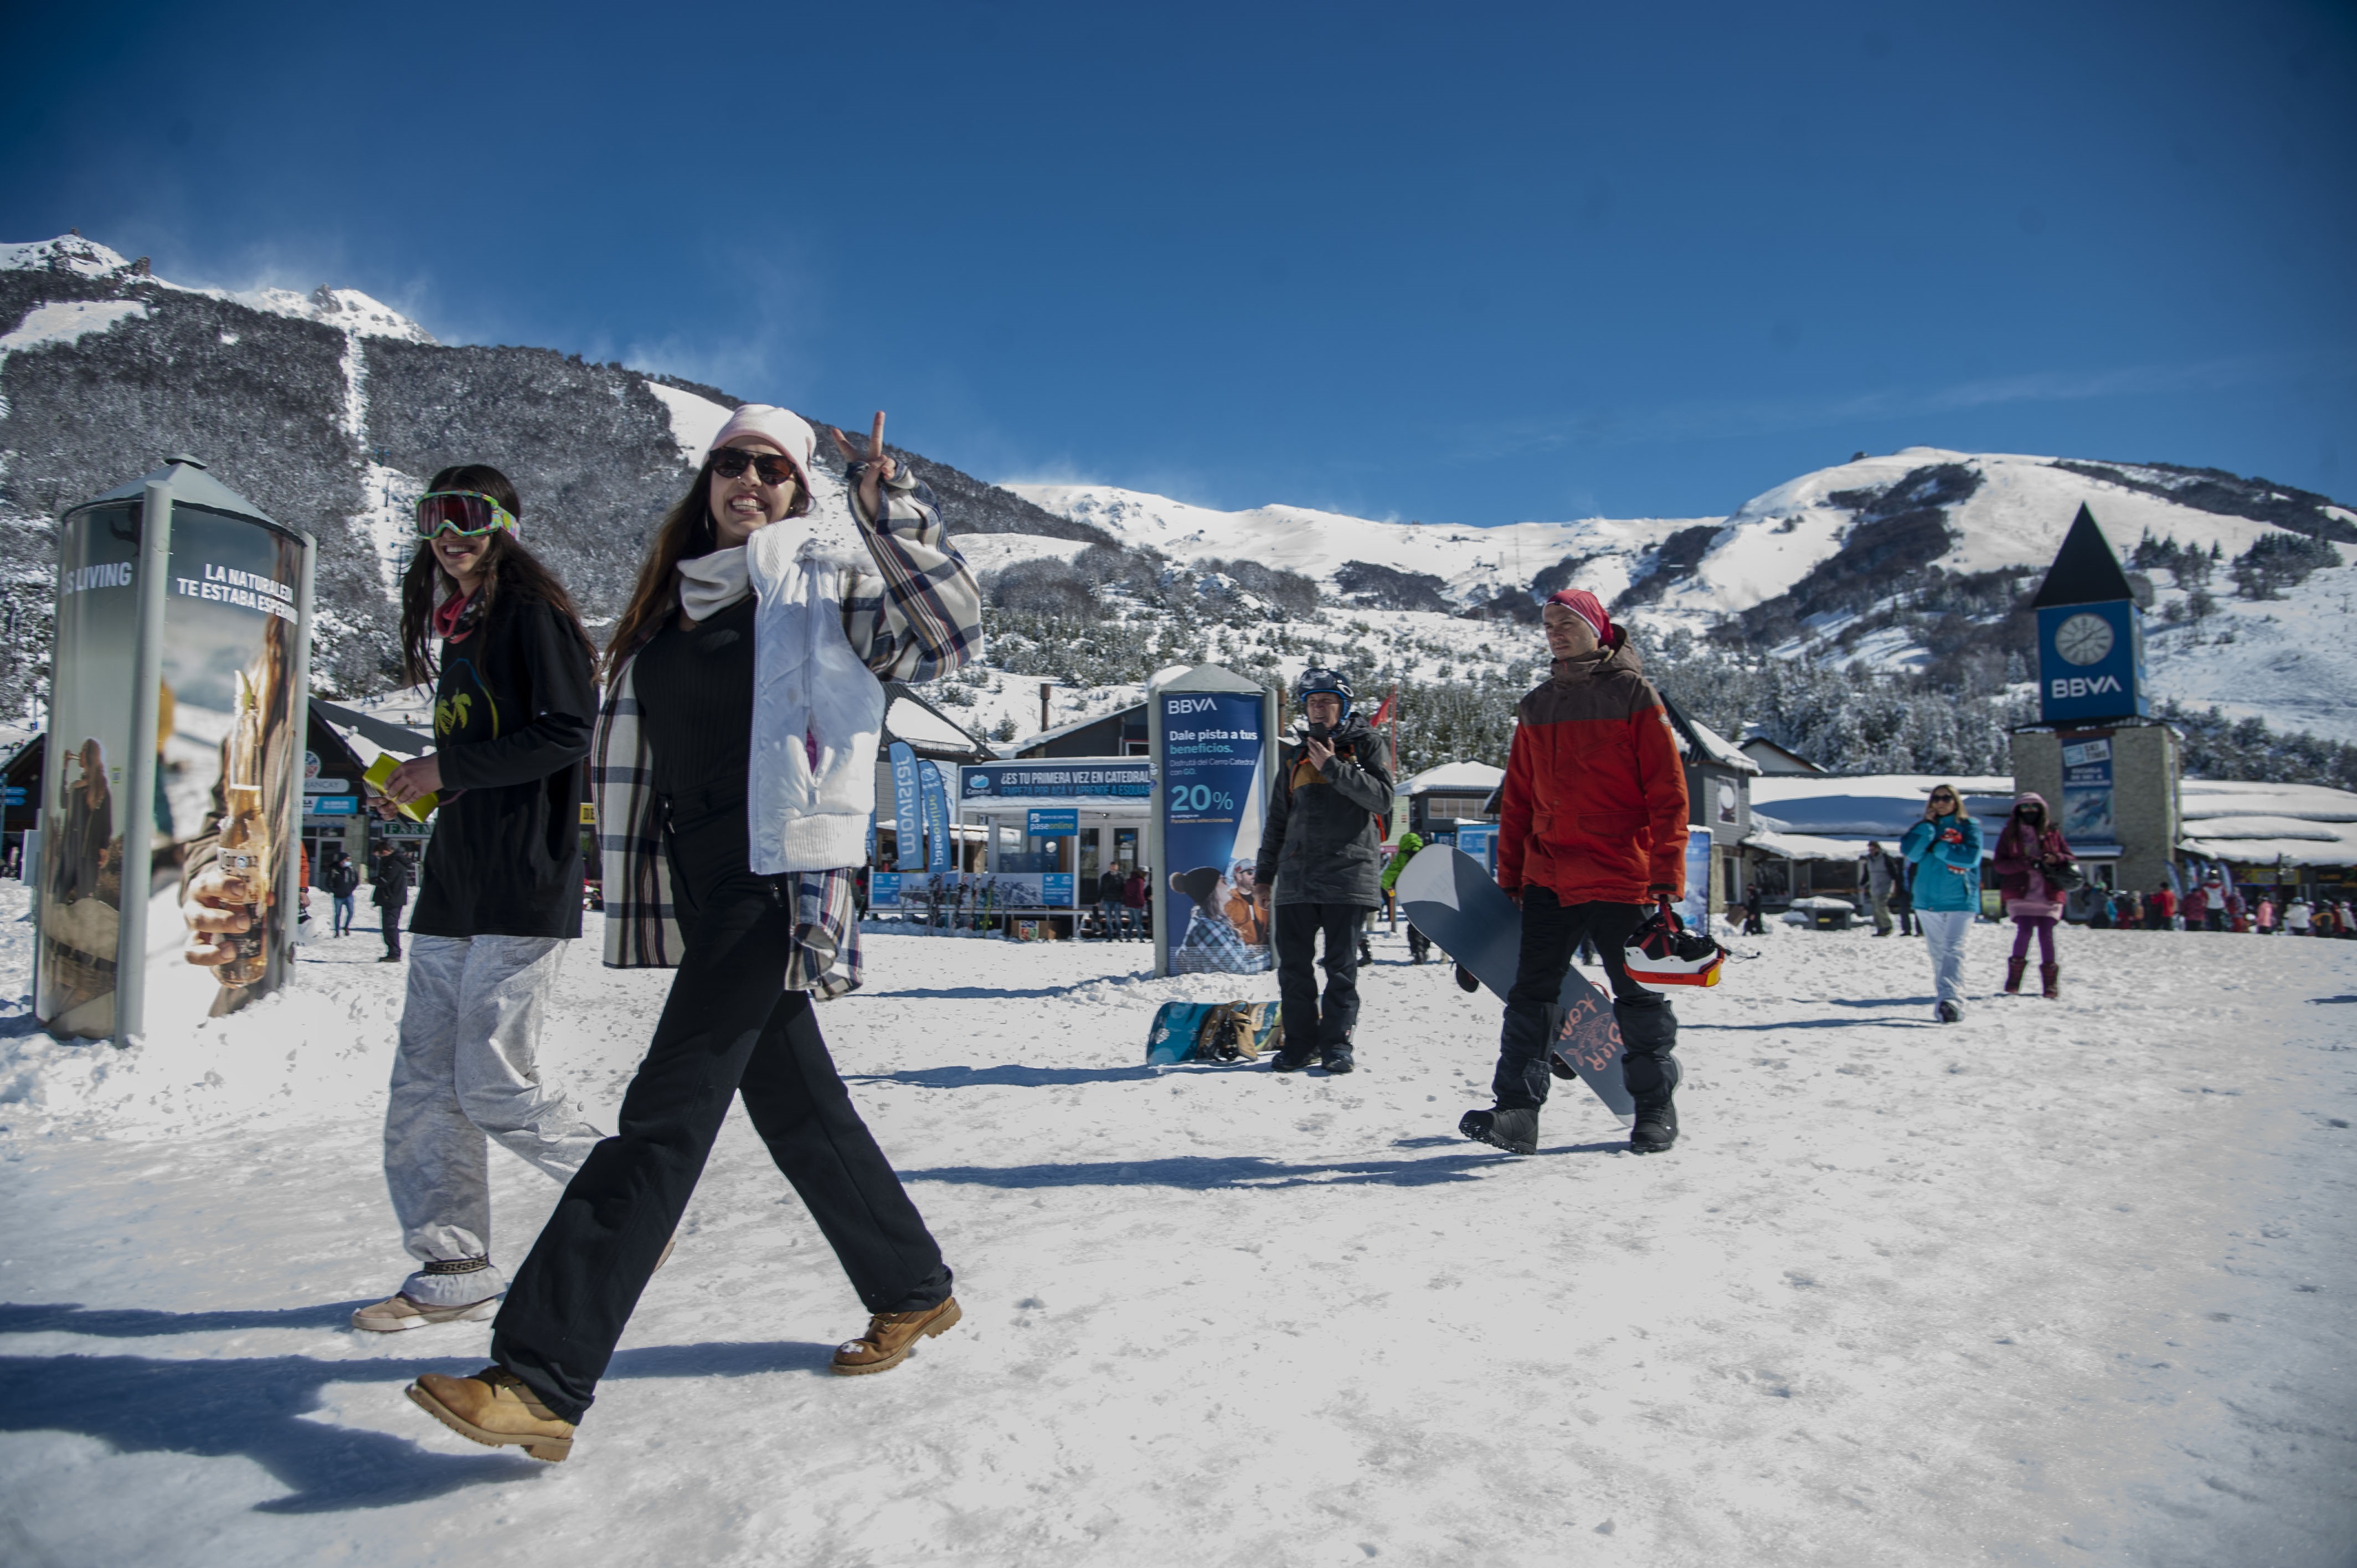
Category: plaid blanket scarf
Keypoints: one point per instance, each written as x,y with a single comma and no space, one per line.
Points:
916,615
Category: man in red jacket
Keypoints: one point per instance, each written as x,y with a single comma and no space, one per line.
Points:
1591,831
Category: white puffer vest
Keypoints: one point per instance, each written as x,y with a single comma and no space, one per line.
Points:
817,711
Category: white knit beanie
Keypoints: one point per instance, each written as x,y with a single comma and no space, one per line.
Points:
782,427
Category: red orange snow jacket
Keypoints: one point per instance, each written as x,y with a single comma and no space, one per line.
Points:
1595,800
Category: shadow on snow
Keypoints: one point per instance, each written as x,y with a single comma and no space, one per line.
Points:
258,1408
1206,1172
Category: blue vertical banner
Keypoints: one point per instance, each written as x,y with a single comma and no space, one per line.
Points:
937,815
1215,779
1696,910
907,816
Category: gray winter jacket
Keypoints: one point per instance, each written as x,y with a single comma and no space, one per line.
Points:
1324,841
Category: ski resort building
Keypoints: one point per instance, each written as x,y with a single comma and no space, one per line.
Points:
1438,799
1809,830
2280,839
1121,733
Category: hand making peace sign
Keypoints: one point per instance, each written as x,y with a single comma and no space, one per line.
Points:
880,466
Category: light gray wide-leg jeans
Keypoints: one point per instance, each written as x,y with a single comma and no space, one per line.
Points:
467,1072
1944,933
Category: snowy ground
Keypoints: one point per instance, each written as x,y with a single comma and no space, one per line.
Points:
2069,1283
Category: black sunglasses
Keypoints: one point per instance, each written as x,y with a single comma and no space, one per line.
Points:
730,463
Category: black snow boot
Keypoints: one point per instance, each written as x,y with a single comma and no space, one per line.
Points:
1465,980
1516,1132
1292,1059
1337,1059
1649,1033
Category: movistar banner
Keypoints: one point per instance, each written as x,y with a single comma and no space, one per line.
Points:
937,815
908,816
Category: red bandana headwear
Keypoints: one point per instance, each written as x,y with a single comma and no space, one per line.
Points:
1589,609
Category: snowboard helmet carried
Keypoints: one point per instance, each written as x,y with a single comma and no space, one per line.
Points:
1662,952
1333,682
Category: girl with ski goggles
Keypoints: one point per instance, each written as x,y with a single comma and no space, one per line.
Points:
467,513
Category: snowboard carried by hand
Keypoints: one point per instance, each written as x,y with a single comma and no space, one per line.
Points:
1454,901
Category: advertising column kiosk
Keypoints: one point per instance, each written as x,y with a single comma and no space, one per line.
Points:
178,704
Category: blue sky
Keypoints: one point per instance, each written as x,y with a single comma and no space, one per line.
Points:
1473,264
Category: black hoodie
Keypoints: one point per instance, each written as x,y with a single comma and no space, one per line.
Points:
513,715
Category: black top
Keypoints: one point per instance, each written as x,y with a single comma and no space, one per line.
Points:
512,717
695,686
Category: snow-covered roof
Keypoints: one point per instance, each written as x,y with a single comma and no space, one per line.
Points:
1874,805
1700,743
911,721
1784,757
2255,823
1798,846
1072,727
1458,778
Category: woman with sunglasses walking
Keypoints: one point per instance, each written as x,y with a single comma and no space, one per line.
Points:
1945,850
735,768
513,702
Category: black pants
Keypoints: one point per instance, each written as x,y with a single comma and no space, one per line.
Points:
1307,1025
1550,930
389,917
727,1028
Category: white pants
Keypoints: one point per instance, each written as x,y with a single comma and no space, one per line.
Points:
1944,933
469,1036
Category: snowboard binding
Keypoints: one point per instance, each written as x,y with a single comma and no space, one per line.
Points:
1662,951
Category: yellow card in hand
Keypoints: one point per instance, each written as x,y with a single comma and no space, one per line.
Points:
381,770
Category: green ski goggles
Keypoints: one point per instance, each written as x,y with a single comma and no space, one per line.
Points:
467,513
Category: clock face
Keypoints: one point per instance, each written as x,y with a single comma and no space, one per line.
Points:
2083,638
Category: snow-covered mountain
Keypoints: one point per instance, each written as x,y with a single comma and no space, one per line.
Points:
331,410
1464,565
1816,567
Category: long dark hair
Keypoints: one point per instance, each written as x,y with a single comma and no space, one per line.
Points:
510,571
686,532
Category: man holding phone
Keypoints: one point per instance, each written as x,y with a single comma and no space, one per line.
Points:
1322,854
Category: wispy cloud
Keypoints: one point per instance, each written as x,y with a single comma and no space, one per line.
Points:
761,346
1721,418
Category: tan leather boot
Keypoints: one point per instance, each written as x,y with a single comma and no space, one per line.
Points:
2013,967
495,1407
889,1336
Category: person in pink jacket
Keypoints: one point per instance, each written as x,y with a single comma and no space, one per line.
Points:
2028,851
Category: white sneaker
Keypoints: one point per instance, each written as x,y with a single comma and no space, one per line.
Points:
398,1312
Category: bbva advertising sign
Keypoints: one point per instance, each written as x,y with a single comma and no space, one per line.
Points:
2091,662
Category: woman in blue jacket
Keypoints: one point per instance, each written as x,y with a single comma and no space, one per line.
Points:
1945,850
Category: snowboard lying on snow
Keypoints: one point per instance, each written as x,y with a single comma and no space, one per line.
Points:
1455,902
1209,1031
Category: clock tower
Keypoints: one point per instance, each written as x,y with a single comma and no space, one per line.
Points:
2090,635
2107,771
